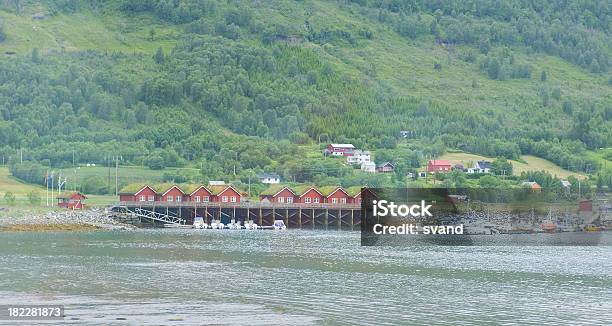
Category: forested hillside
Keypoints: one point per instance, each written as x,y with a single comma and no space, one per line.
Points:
235,86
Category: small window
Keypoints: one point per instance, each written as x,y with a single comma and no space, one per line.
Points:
151,198
334,200
233,199
342,200
281,199
289,200
224,199
316,200
142,198
179,198
307,200
206,199
170,198
197,199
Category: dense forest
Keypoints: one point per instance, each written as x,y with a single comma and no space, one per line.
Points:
245,83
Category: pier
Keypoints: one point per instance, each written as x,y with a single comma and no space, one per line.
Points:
295,215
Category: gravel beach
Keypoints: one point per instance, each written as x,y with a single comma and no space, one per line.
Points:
86,220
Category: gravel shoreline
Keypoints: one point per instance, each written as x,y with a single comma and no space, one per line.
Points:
86,220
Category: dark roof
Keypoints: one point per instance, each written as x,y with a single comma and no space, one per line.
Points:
386,163
268,175
485,164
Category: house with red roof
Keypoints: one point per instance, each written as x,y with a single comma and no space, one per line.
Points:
435,166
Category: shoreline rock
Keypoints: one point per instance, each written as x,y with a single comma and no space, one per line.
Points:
54,220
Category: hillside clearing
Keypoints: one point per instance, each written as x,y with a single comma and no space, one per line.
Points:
533,163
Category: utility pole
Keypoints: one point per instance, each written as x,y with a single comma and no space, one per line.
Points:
249,185
109,174
116,175
21,156
52,185
47,185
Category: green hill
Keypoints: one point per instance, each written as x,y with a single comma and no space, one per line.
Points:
234,87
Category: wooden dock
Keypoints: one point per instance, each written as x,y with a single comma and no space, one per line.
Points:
296,216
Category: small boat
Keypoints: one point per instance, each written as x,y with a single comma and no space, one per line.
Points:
217,225
548,226
279,225
592,228
198,223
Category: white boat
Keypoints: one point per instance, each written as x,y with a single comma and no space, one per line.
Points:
234,225
217,225
198,223
279,225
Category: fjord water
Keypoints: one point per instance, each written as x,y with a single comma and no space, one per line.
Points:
299,277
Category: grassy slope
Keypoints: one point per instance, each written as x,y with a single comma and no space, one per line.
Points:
406,67
401,66
532,164
84,30
9,184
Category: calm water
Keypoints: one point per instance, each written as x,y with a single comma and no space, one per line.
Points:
300,277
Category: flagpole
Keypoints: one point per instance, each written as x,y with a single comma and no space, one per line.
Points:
47,185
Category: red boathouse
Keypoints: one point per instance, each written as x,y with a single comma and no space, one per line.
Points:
75,200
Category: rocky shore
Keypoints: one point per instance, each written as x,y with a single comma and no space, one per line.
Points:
55,220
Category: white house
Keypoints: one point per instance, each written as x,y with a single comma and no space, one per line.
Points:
480,167
358,157
368,167
269,178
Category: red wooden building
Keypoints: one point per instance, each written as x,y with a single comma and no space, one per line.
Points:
226,194
141,193
75,200
178,194
434,166
174,194
200,195
340,149
279,194
311,196
336,195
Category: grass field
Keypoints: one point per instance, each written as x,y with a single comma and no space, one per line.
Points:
83,31
533,163
18,188
127,174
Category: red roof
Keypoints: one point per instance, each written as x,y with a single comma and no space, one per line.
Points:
439,162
